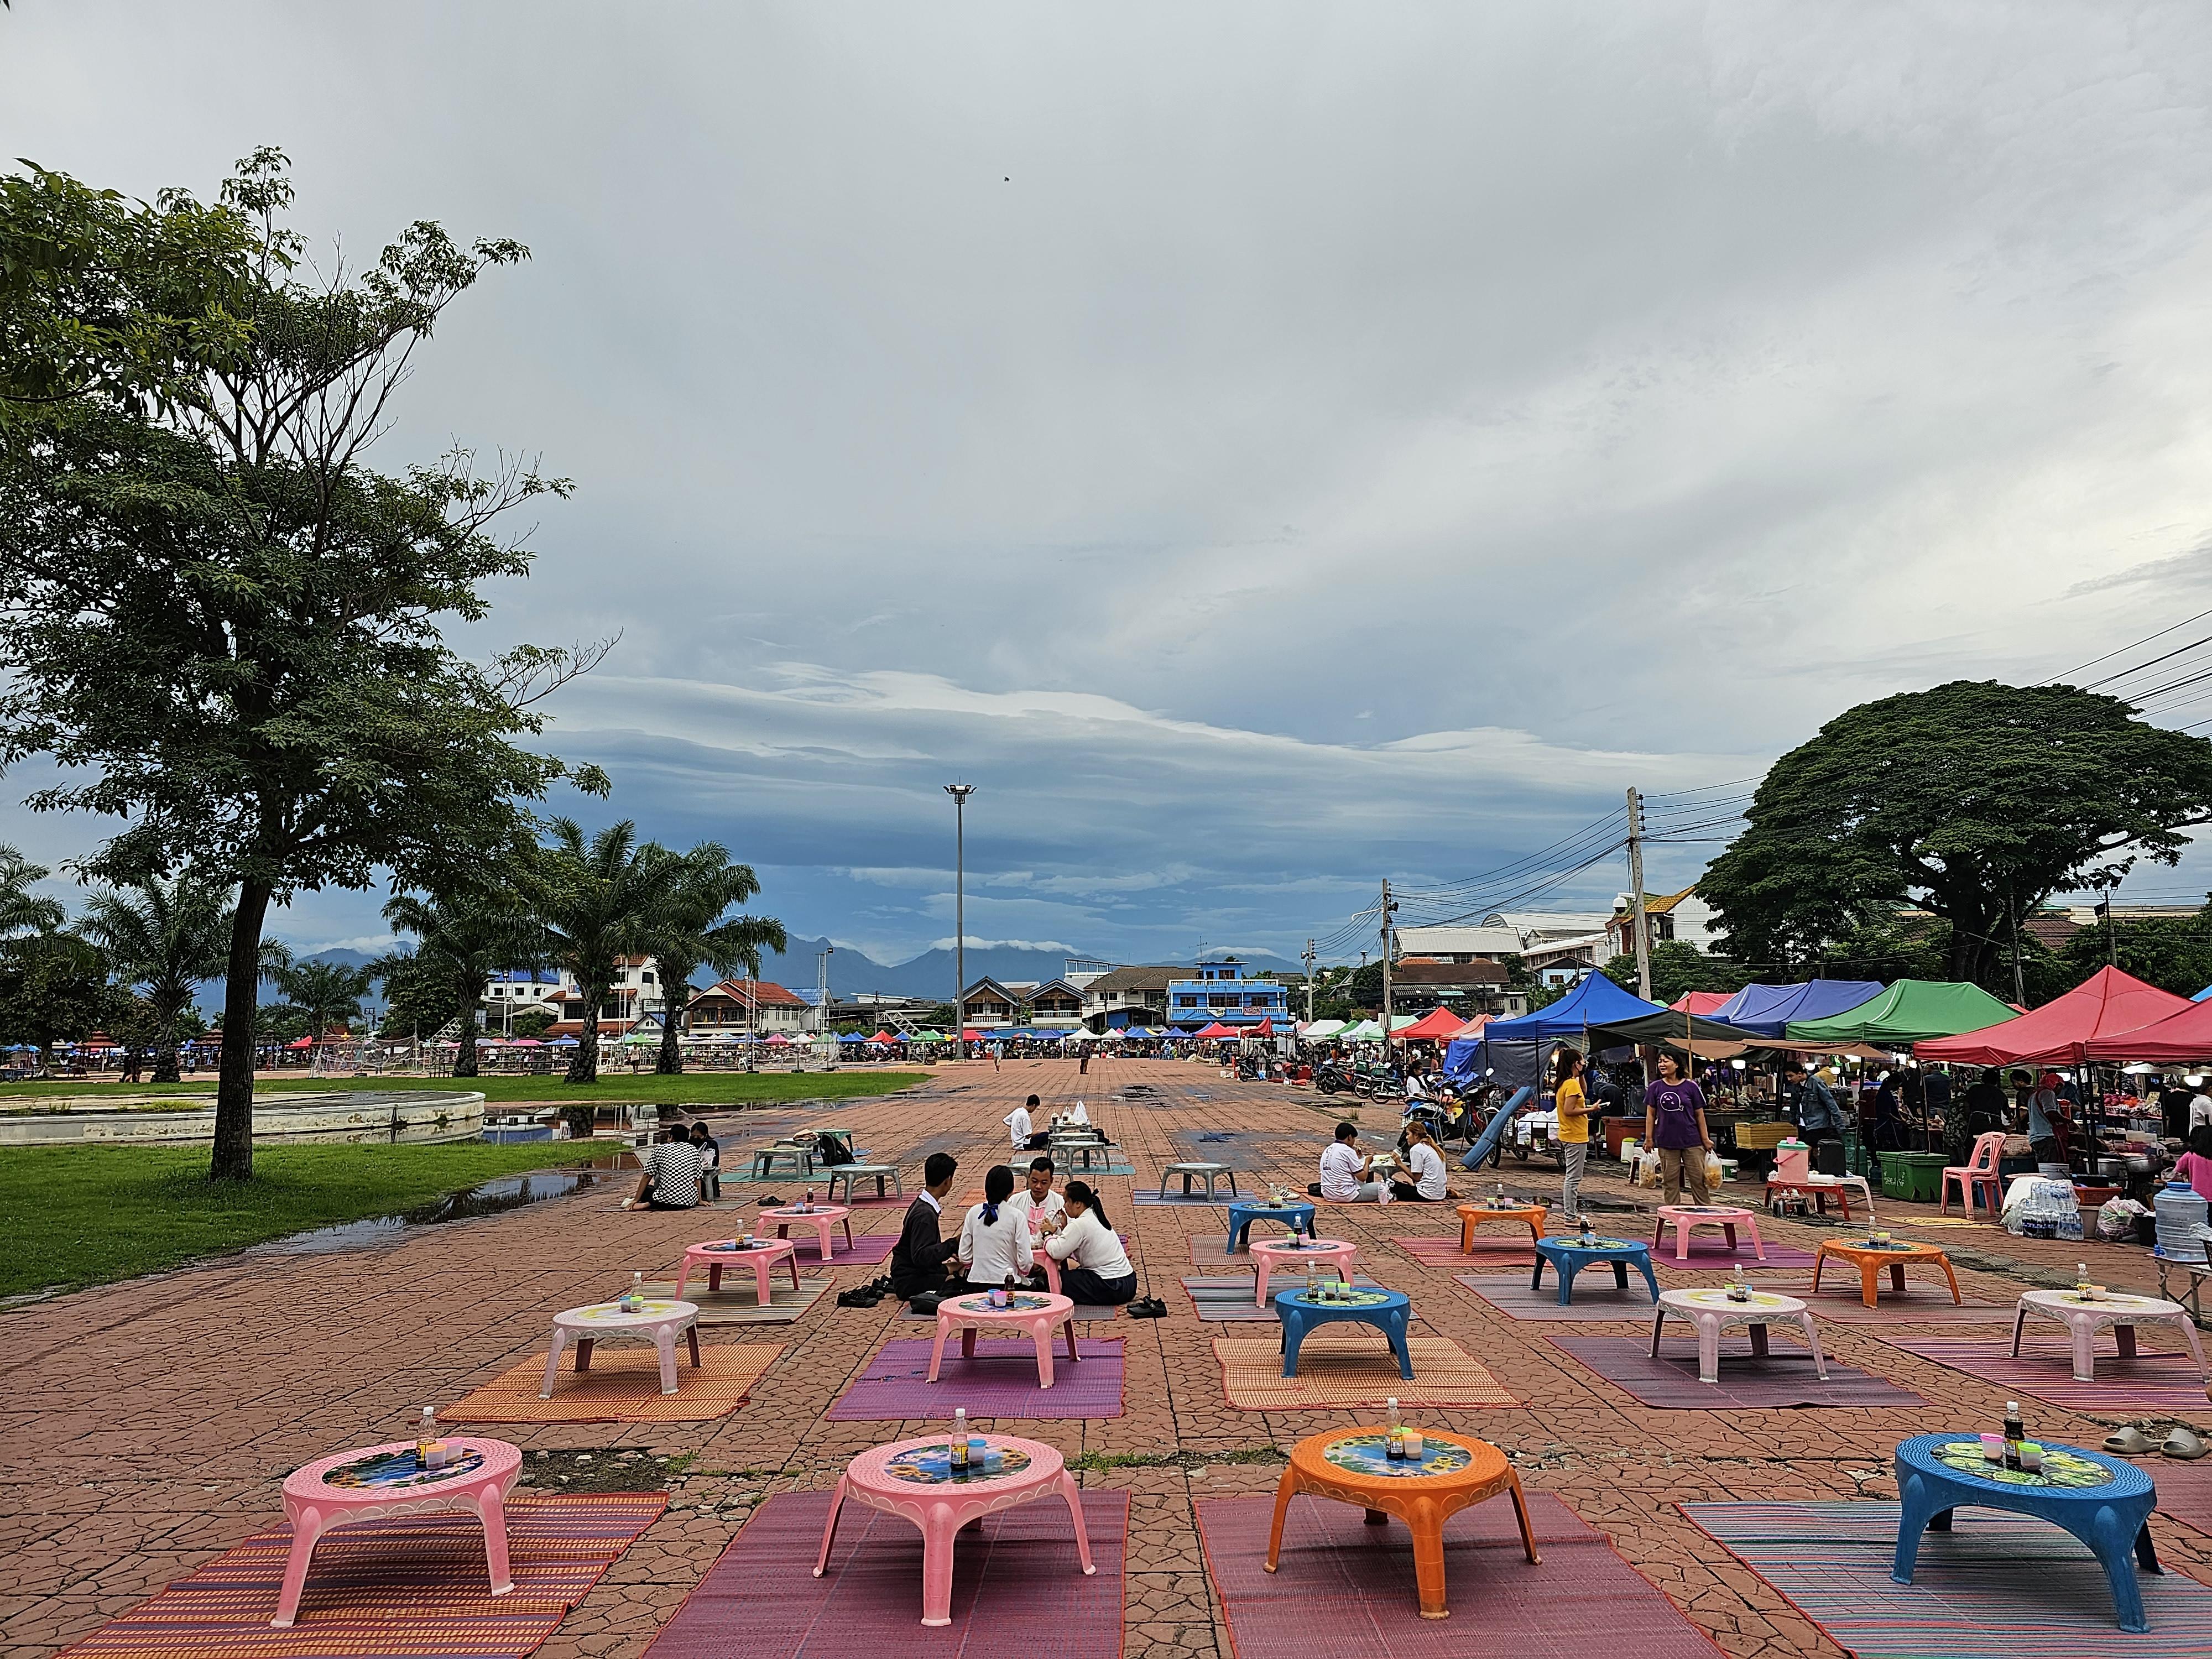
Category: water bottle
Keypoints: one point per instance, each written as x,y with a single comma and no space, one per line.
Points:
1393,1439
2181,1212
959,1447
634,1298
426,1437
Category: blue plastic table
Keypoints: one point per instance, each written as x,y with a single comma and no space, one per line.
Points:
1243,1212
1569,1254
1387,1310
2106,1502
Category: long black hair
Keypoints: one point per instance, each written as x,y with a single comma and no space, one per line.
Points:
998,1187
1565,1062
1078,1192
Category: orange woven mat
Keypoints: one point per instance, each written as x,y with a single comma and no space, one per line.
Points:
623,1386
1338,1371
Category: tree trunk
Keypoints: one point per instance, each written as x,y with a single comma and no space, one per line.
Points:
671,1051
464,1057
585,1068
233,1158
165,1069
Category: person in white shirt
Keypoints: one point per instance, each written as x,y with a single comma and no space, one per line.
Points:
994,1241
1346,1176
1429,1182
1037,1204
1095,1270
2200,1111
1024,1138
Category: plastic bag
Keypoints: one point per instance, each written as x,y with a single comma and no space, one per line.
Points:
2045,1209
2116,1218
1714,1171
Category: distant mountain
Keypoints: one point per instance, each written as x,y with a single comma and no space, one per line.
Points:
341,958
931,973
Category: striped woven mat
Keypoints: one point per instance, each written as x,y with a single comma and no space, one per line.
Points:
1997,1586
737,1303
1335,1372
1490,1250
2150,1385
623,1386
413,1587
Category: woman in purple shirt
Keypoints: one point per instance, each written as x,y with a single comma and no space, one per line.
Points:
1674,1122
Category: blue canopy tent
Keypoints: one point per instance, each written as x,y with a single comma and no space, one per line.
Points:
2201,995
1507,1049
1766,1010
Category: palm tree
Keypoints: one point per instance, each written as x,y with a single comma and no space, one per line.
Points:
690,934
162,939
461,940
328,993
597,900
23,911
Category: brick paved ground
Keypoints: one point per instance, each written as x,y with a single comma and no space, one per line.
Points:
147,1425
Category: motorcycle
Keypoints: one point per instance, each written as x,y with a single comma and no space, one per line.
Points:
1331,1076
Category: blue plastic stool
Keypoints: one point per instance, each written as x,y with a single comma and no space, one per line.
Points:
1569,1255
1389,1311
2111,1516
1243,1212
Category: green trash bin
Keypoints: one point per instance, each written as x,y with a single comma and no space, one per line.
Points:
1923,1176
1896,1178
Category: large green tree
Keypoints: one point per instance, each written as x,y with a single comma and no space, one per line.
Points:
54,988
599,898
1973,800
162,939
327,995
214,615
462,938
693,931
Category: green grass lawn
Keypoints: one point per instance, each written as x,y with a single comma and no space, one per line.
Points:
86,1215
685,1089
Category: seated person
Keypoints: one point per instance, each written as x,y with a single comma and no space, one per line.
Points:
1037,1204
918,1259
1094,1269
1429,1181
672,1177
1346,1176
1019,1132
710,1149
994,1239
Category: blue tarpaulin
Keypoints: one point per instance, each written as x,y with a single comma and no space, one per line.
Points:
1766,1010
1506,1048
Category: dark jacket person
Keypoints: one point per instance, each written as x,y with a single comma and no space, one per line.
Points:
918,1259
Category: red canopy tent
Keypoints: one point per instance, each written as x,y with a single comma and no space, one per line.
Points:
1265,1028
1700,1003
883,1038
2103,1007
301,1042
2183,1035
1216,1030
971,1034
1439,1024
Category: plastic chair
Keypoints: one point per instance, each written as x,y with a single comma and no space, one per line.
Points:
1977,1172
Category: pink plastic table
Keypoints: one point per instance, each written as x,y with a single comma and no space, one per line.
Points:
717,1254
374,1482
821,1217
1035,1311
2121,1312
661,1321
1683,1216
913,1478
1272,1255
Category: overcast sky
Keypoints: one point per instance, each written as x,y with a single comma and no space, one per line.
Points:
1266,448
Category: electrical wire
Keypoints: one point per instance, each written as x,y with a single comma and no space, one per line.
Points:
2123,650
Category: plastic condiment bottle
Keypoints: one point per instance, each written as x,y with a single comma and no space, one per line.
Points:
1395,1435
2081,1280
426,1436
959,1447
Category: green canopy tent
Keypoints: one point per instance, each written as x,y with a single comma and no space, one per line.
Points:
1911,1011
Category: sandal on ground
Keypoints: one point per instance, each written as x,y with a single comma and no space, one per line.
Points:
2130,1442
2184,1442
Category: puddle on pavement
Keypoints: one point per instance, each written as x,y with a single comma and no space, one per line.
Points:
487,1198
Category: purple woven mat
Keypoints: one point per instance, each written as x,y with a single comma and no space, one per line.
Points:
1352,1585
1001,1381
1784,1378
1708,1250
1597,1297
1017,1576
2151,1384
866,1248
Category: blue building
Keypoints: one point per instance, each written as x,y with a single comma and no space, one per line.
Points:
1225,991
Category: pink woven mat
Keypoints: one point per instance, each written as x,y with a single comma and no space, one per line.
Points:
1017,1584
1352,1585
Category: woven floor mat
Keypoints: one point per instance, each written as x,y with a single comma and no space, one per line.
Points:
623,1386
1335,1372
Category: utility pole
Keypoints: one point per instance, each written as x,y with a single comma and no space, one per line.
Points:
960,792
822,1031
1310,973
1387,909
1636,894
2012,907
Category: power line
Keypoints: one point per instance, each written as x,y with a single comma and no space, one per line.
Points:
2124,649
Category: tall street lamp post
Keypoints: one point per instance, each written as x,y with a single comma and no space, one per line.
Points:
960,792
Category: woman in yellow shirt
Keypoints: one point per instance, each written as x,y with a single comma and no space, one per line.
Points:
1572,1106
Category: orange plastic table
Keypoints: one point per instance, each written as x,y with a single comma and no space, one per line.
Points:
1870,1257
1470,1214
1455,1472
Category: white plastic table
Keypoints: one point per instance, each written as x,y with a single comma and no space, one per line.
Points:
659,1321
2121,1312
1710,1307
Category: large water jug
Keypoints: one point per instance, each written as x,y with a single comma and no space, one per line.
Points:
2181,1212
1792,1160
